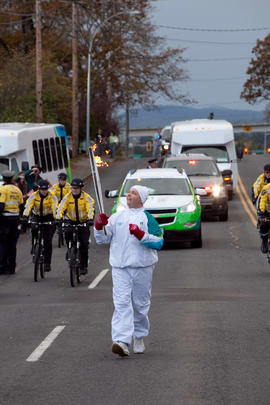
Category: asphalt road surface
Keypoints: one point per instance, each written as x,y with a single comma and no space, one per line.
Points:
210,322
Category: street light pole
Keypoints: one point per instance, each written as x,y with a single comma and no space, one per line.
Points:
88,118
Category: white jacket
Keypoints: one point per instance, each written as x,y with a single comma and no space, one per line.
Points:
126,250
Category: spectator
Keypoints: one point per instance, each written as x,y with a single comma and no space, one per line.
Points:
113,141
32,177
22,184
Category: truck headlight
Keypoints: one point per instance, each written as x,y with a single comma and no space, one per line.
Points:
190,207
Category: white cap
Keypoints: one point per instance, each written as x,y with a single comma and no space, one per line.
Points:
143,192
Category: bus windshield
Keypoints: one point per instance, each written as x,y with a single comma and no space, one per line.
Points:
219,153
4,165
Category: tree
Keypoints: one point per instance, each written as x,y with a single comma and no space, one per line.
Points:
257,86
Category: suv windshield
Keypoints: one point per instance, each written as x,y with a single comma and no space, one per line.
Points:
195,167
4,165
220,154
160,186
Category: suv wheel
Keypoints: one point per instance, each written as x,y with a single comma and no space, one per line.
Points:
224,217
198,242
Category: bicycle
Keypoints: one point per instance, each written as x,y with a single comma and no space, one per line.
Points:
73,252
38,248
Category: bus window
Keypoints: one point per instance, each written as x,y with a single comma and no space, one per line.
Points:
64,150
35,152
42,155
48,155
53,150
14,166
4,165
58,148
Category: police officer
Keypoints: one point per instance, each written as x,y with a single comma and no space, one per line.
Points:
264,217
11,204
152,164
43,205
61,188
77,207
261,181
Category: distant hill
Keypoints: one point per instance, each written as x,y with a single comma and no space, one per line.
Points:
164,115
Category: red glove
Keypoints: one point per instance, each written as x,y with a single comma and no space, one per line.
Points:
136,231
102,220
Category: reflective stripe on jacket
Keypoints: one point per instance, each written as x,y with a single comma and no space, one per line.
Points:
56,190
85,207
12,197
264,201
49,204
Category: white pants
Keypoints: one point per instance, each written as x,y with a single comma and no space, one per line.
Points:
131,298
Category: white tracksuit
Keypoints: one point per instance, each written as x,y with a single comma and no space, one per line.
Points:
132,264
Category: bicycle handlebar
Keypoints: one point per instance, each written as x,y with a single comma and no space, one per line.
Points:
41,223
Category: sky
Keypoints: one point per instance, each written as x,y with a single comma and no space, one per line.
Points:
218,60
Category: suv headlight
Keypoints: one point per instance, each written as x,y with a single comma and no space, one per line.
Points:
190,207
216,190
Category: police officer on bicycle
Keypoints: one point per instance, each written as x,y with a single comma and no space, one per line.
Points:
78,207
261,181
264,216
11,204
61,188
43,205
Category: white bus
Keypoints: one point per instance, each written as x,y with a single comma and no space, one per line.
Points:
212,137
23,145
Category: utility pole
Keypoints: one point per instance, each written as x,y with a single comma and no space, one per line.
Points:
39,107
75,104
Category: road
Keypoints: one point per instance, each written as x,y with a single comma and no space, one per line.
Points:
210,322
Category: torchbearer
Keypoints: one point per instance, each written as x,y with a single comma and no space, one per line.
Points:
134,236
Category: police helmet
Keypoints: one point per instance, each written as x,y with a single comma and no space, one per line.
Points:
77,183
8,174
62,176
266,168
43,185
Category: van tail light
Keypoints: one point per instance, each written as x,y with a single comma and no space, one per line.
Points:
227,178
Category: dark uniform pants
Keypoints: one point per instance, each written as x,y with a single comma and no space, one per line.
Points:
48,236
83,236
9,235
264,229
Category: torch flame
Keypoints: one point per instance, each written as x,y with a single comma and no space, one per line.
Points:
99,161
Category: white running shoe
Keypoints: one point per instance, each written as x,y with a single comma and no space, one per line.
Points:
138,346
120,348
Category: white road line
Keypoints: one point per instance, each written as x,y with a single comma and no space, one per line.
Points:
45,344
98,279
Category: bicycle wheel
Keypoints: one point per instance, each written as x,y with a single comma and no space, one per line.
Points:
60,239
73,268
41,268
78,267
36,261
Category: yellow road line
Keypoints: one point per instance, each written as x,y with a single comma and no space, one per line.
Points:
245,204
248,200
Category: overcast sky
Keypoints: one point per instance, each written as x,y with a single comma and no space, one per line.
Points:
214,82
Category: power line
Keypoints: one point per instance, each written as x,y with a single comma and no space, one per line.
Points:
213,30
217,79
218,59
16,22
209,42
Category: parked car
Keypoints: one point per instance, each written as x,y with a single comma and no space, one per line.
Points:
172,201
203,172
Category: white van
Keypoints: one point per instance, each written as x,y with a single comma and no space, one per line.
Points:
23,145
211,137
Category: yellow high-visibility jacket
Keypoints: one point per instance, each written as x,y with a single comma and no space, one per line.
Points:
49,205
76,209
258,185
12,197
60,192
264,201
